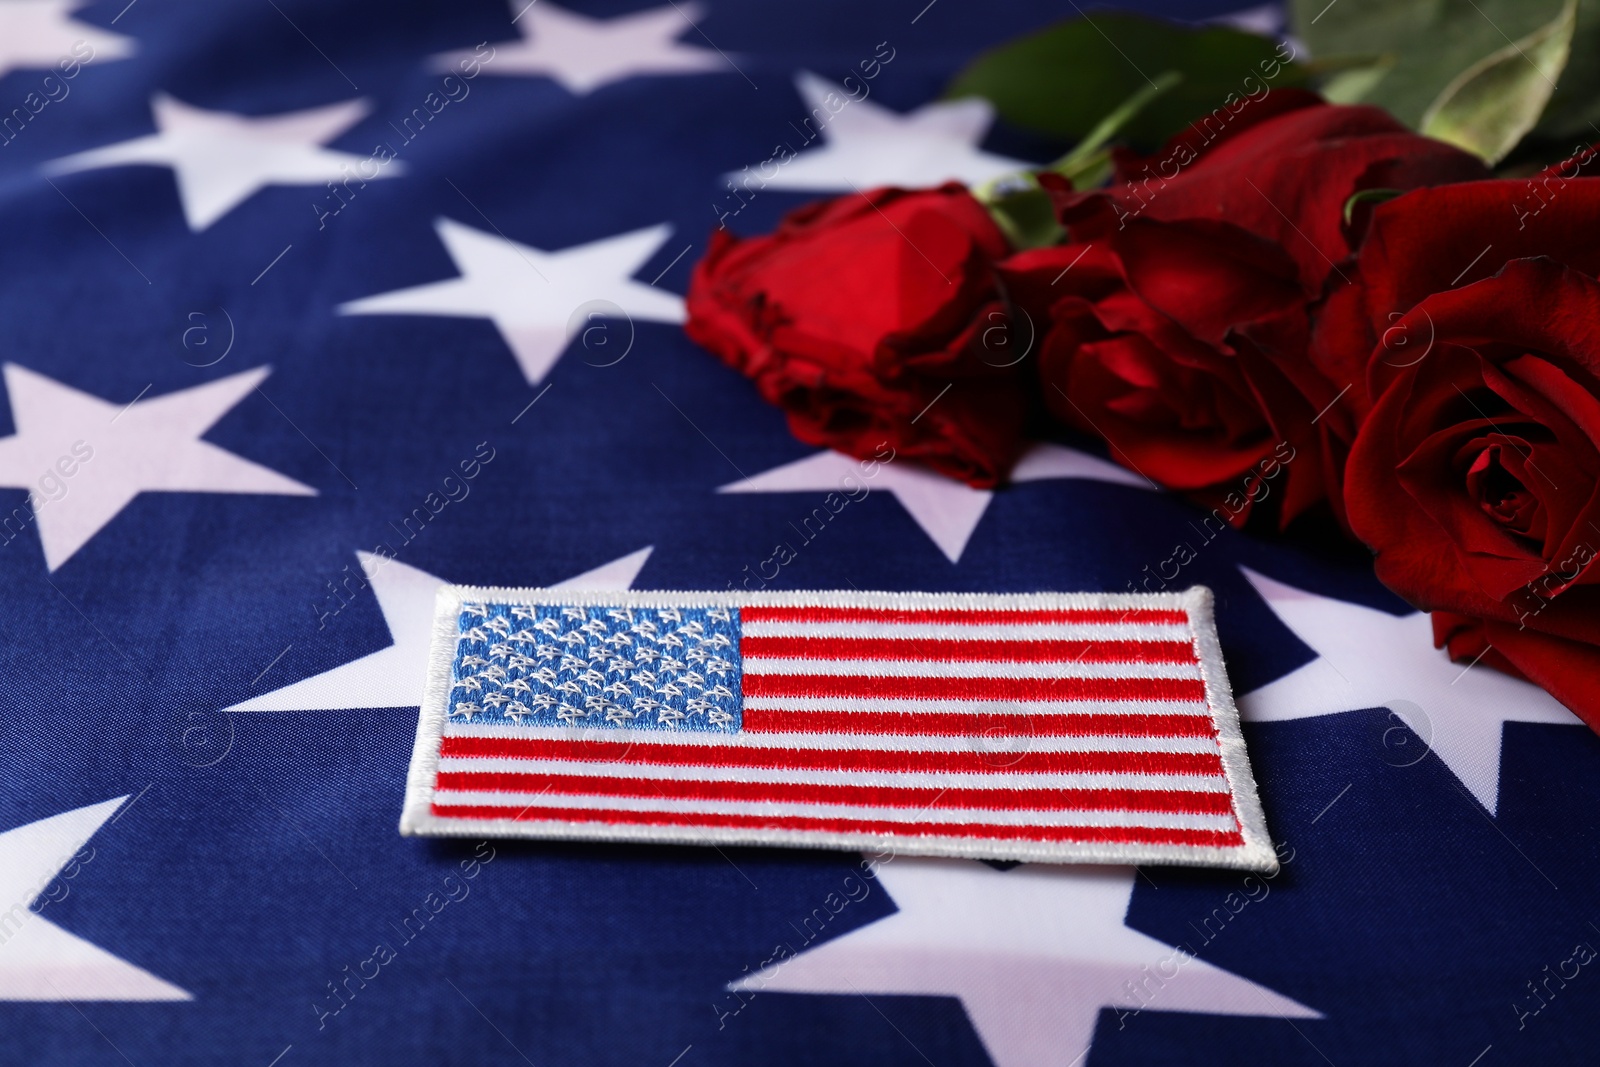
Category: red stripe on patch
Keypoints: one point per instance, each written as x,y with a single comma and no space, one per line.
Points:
889,760
972,724
893,648
964,615
903,688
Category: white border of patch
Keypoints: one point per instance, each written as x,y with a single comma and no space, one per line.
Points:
1255,854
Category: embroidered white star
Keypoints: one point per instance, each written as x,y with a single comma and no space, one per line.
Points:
393,677
38,959
536,299
947,510
220,159
867,145
583,53
37,34
1371,659
1033,953
83,459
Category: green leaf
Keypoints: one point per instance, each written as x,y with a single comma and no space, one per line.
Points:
1061,80
1574,110
1431,41
1367,196
1491,105
1350,79
1092,147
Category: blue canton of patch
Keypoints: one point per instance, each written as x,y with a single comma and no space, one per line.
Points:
597,666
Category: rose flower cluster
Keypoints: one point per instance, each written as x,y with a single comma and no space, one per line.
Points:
1312,293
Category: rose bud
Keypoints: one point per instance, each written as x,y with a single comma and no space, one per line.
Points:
874,318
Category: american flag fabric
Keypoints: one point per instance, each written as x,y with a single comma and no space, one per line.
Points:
299,323
1042,727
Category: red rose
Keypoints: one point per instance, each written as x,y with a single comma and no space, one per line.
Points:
1178,314
1431,240
1168,340
1476,476
864,318
1283,167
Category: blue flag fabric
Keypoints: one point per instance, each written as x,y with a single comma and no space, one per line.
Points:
307,308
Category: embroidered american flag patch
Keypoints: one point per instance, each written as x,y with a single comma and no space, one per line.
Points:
1044,726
